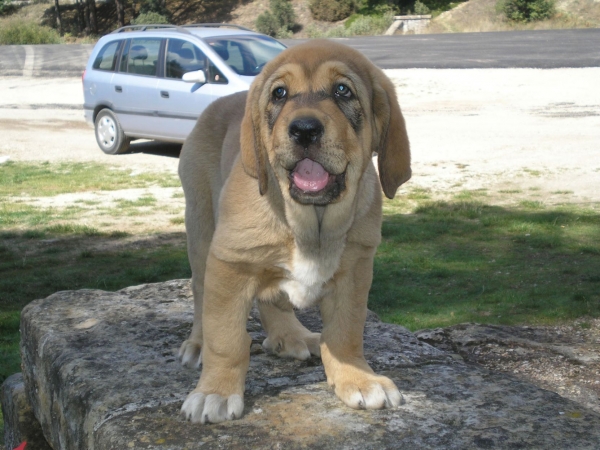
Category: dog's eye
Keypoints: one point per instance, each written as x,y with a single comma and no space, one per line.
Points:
341,90
279,93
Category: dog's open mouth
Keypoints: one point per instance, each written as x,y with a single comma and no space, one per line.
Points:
310,183
310,176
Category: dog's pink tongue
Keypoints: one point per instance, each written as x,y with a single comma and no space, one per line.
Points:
309,175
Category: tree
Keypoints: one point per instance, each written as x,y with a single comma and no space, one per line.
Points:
156,6
90,19
58,18
120,4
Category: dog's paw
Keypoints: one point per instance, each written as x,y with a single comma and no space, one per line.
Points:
369,392
190,354
293,346
212,408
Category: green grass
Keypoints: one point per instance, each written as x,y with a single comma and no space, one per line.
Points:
47,249
467,261
26,179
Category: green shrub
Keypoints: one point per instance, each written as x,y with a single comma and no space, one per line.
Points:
266,23
371,25
278,20
22,32
359,26
6,7
332,10
421,8
150,17
527,10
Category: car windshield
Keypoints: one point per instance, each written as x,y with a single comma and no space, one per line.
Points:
246,55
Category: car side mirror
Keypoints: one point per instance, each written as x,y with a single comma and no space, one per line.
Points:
197,76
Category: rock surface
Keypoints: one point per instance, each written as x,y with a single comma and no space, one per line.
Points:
101,373
563,358
20,423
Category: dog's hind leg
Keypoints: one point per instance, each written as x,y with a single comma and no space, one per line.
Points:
286,336
200,179
190,351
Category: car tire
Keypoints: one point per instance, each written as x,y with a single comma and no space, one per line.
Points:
109,134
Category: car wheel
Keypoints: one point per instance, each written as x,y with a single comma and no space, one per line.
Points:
109,134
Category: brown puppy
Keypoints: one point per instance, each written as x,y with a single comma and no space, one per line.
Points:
283,206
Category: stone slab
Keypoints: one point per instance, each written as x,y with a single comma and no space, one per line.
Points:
101,371
20,425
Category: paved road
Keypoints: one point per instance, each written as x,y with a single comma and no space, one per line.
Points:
549,49
522,49
44,60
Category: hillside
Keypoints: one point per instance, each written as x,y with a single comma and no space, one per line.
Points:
469,16
482,15
246,13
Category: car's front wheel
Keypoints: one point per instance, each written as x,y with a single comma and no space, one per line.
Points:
109,134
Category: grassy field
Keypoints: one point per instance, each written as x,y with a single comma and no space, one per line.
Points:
440,262
464,260
106,243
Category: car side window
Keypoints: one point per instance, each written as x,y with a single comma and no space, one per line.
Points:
183,57
215,75
106,59
142,56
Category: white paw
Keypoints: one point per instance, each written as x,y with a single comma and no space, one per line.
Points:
190,354
293,347
371,395
212,408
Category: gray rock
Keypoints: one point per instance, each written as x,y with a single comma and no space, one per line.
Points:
101,372
19,422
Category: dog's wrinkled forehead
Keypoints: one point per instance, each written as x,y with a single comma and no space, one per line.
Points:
312,67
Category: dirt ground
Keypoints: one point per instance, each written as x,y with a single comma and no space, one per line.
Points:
529,130
532,133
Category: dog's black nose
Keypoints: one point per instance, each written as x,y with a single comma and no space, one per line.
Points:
306,130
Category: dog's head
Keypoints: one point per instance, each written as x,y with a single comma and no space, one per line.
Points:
314,117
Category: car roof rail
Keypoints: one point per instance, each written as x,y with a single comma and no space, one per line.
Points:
150,26
217,25
182,28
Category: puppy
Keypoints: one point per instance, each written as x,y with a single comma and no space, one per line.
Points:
283,206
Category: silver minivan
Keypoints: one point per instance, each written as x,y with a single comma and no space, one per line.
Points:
154,81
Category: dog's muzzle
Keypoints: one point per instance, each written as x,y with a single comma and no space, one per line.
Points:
310,181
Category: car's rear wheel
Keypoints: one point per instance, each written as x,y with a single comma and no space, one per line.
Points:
109,134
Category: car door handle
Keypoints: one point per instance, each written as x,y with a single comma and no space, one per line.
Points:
118,89
164,94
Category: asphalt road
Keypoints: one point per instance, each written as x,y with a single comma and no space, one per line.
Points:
549,49
522,49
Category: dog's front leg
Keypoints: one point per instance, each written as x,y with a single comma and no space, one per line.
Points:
286,336
228,297
344,311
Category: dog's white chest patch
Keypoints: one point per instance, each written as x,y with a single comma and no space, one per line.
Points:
306,278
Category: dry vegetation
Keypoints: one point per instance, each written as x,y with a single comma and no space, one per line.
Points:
482,15
469,16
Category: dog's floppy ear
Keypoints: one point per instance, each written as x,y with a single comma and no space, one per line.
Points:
391,140
252,148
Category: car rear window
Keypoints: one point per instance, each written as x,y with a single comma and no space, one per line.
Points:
106,58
